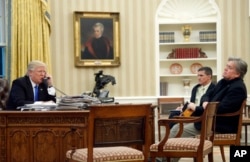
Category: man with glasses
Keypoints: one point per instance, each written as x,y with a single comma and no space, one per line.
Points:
36,85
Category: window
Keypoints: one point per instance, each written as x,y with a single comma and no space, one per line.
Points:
2,61
2,37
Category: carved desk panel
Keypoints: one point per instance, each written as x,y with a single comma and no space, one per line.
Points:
45,136
39,136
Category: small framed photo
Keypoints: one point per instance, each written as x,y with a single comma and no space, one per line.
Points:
96,39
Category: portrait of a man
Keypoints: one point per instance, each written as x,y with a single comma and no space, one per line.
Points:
96,39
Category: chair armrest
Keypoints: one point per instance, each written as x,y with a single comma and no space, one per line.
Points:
179,120
230,114
184,117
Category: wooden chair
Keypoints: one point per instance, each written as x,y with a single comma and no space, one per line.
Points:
166,104
187,147
222,140
246,120
4,92
122,119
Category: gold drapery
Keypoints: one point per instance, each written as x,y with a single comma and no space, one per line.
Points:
30,32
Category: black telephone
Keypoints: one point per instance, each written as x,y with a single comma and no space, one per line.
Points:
45,80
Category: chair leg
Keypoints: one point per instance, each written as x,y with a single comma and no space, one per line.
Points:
210,157
222,153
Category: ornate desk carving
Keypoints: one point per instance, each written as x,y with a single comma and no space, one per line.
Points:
39,136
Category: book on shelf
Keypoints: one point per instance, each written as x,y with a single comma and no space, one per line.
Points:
163,88
166,37
207,36
180,53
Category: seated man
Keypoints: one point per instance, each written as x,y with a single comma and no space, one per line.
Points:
230,92
31,87
204,85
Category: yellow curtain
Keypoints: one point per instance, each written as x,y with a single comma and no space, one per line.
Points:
30,31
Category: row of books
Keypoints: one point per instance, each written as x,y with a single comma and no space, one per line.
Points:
207,36
163,88
185,53
166,37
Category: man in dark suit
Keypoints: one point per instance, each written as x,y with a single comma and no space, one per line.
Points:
23,89
230,92
204,85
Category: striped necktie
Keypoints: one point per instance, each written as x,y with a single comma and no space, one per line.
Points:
36,93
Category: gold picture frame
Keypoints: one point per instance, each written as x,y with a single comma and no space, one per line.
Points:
96,39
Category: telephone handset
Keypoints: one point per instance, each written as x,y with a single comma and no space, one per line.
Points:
45,80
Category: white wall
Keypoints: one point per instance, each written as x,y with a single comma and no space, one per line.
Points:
136,74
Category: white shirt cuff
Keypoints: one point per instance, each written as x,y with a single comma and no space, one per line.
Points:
52,91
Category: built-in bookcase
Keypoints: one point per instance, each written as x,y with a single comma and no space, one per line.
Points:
178,58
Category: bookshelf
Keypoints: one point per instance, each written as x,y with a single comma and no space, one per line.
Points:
178,57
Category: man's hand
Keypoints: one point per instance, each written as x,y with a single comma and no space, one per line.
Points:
204,105
191,106
179,107
49,80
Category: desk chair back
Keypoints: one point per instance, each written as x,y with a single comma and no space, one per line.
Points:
125,125
4,92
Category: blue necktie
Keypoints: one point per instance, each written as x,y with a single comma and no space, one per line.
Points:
36,93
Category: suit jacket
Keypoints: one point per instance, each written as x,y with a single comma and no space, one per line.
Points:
21,93
192,99
230,94
194,90
193,96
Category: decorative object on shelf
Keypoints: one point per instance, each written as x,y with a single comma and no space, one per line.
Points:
186,31
180,53
194,67
166,37
207,36
186,85
175,68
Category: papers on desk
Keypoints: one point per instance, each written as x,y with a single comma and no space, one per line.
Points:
65,103
80,102
38,106
41,104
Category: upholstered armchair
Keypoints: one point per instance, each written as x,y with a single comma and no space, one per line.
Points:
195,148
4,92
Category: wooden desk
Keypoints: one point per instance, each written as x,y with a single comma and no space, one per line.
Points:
39,136
43,136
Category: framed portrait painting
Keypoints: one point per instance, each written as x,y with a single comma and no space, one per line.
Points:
96,38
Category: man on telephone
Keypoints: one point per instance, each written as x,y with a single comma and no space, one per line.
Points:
36,85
